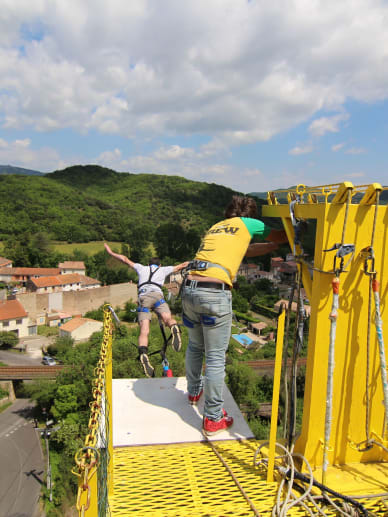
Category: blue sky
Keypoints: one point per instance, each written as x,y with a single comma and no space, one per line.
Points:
251,95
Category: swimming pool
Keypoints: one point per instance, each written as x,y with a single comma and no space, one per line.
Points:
243,339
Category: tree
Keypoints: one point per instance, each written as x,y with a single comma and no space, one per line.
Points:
173,241
239,303
65,401
8,339
130,313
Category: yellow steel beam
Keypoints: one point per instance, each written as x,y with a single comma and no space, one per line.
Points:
369,197
342,192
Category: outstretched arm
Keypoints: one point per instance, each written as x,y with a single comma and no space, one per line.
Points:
121,258
278,236
180,266
260,248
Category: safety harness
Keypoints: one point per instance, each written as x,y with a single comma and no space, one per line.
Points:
203,265
150,282
199,265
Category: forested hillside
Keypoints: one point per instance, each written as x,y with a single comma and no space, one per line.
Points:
85,203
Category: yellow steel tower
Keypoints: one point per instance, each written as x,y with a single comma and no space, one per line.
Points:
344,427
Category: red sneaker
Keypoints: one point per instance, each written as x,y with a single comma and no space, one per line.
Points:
193,399
210,427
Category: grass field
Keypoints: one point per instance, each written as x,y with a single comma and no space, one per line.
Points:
90,248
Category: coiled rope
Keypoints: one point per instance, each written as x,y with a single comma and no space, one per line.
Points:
294,481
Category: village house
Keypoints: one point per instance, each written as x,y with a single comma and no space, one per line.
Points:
23,274
257,327
64,282
253,272
56,319
294,306
69,267
13,318
80,329
284,270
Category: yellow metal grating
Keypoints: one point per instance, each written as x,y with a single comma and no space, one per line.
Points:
188,480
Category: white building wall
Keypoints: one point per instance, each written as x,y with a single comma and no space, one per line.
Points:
83,332
21,328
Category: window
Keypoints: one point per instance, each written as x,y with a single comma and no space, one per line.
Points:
5,323
19,322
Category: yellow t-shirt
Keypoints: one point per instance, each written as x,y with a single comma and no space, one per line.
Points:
226,244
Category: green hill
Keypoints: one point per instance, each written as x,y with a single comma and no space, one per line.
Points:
88,203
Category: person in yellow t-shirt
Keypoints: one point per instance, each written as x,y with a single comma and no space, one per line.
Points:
207,302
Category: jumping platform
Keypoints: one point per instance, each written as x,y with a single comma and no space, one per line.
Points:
156,411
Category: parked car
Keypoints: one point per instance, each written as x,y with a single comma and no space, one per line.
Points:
48,361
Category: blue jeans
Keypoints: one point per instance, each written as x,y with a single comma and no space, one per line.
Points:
207,314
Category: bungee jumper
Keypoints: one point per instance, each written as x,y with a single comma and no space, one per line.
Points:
150,298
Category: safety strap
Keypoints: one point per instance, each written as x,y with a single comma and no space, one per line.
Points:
203,265
156,304
149,281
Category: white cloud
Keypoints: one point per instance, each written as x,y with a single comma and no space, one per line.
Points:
324,125
21,154
225,72
174,152
337,147
238,71
185,162
308,148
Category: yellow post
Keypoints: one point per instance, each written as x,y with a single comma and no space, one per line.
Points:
275,395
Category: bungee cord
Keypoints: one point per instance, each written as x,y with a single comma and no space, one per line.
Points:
333,330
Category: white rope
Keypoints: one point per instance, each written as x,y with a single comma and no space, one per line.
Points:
380,339
307,500
330,376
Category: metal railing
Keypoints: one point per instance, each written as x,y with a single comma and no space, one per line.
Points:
94,461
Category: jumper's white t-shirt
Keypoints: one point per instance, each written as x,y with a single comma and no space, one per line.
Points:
158,277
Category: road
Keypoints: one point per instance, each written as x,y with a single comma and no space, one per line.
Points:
21,462
33,345
19,359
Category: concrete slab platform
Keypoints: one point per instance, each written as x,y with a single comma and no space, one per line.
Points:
156,411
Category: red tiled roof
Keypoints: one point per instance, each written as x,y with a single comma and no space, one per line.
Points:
70,278
45,281
30,271
86,280
11,309
75,323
